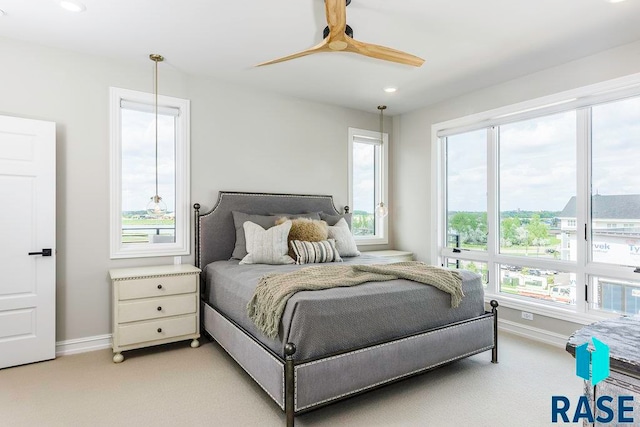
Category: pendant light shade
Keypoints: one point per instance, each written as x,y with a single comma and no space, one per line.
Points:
156,207
382,210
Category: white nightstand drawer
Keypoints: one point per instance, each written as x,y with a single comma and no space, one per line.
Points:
154,308
157,330
154,305
156,286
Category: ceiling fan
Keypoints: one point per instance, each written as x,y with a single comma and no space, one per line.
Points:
338,37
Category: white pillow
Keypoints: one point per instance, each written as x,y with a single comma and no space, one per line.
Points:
267,246
345,243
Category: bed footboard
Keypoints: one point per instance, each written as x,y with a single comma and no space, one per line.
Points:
304,386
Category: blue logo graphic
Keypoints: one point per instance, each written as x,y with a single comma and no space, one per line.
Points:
598,359
604,406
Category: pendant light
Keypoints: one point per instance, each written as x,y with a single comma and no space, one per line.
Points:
156,207
382,210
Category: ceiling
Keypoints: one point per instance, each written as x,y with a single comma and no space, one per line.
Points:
467,44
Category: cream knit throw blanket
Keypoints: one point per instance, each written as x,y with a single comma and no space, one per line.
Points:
274,290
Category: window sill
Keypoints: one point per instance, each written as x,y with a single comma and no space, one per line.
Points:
547,310
371,241
160,250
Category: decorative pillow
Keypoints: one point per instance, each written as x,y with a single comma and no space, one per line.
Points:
266,246
314,252
239,218
333,219
345,243
308,230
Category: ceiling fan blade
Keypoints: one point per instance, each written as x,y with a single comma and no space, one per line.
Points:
384,53
321,47
336,11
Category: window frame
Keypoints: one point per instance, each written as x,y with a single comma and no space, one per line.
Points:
581,100
381,236
181,246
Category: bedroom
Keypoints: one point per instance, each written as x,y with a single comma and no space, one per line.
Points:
241,131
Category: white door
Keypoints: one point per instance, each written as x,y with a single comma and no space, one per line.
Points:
27,224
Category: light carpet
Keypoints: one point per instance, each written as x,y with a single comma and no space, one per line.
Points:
175,385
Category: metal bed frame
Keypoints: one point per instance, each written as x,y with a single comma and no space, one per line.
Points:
217,325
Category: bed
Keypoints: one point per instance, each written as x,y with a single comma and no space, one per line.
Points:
333,343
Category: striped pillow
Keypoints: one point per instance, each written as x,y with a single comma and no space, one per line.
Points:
314,252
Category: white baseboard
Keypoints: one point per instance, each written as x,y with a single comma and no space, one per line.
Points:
537,334
82,345
100,342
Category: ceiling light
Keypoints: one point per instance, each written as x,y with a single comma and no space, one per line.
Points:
615,1
390,89
72,6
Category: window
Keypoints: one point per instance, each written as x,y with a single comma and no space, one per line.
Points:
537,177
368,181
135,233
619,296
476,267
466,157
553,192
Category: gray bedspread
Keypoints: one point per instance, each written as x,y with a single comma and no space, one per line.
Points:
339,319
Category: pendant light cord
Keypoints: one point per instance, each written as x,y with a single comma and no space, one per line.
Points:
156,58
381,108
156,112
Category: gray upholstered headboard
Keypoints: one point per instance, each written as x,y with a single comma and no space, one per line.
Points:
215,232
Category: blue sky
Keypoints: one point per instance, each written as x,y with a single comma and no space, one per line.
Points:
538,160
138,159
363,177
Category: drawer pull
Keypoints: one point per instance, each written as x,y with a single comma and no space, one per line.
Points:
159,286
159,330
159,308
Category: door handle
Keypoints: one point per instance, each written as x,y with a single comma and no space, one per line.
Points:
45,252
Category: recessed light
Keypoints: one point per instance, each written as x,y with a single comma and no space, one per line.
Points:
72,6
615,1
390,89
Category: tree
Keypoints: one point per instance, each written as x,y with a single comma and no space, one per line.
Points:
509,229
482,223
362,223
463,222
537,232
471,266
470,226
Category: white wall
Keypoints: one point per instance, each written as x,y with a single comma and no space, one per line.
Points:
412,173
242,139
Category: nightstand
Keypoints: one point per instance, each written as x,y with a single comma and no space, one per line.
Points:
391,255
154,305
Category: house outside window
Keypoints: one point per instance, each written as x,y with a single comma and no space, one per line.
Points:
134,231
552,243
368,183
